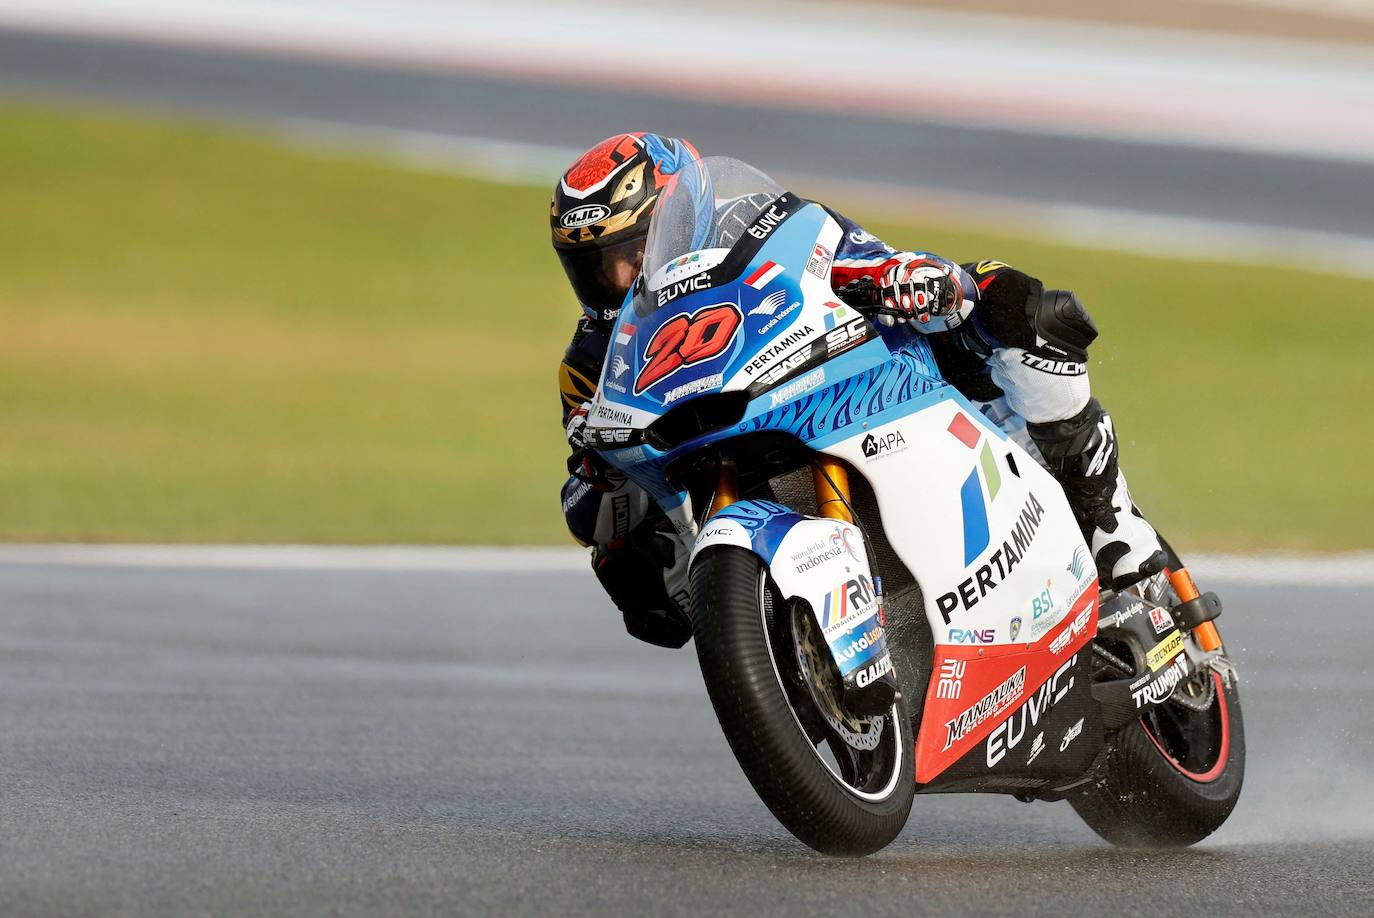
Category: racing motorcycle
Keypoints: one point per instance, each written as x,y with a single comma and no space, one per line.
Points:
889,593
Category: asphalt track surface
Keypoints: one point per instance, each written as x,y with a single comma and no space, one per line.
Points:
177,741
1231,186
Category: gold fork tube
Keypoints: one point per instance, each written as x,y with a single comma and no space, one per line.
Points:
831,480
726,491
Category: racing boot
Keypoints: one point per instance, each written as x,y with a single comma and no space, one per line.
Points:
1081,452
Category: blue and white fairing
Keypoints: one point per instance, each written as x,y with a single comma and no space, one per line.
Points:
736,298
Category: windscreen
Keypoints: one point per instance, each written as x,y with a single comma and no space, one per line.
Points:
703,216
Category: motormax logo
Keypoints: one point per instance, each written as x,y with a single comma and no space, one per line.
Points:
990,705
999,564
1077,627
951,679
1007,735
874,446
1164,684
846,601
870,674
584,215
685,340
1056,367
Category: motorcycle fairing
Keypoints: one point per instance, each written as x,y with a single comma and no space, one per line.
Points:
1006,540
821,561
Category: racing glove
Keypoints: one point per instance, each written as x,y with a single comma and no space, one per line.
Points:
923,291
585,463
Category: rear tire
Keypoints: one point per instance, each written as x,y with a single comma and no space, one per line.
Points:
1149,798
752,677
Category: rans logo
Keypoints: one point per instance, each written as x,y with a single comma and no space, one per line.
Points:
976,533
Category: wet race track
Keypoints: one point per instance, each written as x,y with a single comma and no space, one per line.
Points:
208,740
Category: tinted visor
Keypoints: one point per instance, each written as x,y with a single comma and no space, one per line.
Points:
600,277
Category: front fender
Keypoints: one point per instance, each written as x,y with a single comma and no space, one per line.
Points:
823,562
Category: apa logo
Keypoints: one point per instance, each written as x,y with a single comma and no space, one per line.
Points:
875,447
1015,626
969,636
584,214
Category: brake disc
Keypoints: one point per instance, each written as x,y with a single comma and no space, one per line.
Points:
813,661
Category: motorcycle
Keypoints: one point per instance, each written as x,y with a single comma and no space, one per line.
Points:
889,594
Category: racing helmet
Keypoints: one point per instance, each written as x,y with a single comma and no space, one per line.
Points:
600,214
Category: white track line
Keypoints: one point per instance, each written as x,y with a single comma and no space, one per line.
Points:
1171,86
1350,569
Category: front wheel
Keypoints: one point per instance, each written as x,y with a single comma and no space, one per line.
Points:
841,783
1175,774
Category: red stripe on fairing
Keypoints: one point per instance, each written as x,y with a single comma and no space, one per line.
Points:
1223,756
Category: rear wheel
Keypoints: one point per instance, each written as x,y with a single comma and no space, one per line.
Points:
841,783
1173,776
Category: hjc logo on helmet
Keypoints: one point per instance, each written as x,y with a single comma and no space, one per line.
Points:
584,215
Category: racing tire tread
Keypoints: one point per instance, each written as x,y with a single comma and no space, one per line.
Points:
754,713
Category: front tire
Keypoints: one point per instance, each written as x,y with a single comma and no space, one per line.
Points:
854,804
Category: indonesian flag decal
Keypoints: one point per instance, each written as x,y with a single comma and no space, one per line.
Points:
766,272
623,336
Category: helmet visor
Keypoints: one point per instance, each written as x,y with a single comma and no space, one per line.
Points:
601,277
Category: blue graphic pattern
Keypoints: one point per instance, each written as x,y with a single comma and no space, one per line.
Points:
904,378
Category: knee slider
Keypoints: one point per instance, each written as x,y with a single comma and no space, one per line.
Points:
1060,319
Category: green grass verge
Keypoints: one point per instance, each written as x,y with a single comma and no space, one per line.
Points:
206,336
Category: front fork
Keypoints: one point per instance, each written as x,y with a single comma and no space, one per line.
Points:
829,476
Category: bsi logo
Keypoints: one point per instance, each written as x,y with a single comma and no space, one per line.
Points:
584,215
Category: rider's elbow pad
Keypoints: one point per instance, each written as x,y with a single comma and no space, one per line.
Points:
1060,319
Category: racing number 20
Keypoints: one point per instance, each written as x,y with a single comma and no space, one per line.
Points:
684,340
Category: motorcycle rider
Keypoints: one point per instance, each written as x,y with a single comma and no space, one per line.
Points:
995,332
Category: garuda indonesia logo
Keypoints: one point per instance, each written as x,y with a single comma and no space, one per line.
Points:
1079,565
976,535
